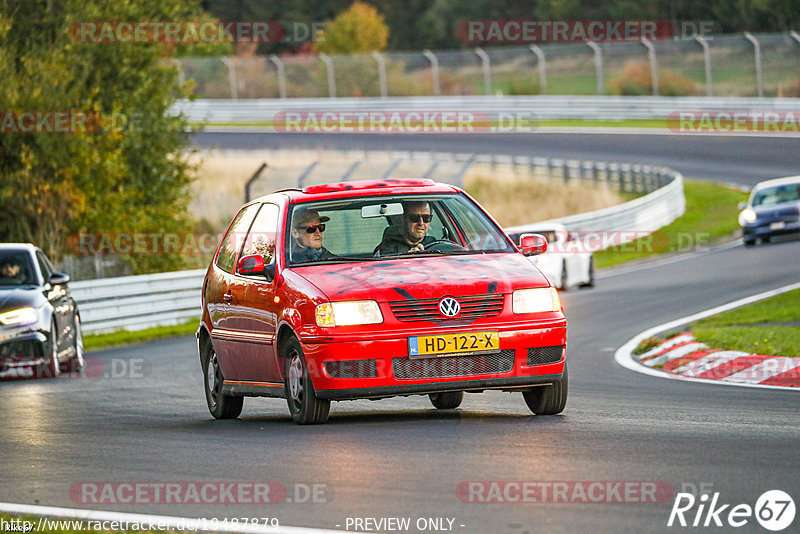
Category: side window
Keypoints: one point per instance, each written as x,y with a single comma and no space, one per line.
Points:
44,266
261,237
232,241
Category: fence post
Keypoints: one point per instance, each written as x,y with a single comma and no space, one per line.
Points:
381,73
542,68
757,54
437,89
232,77
707,62
302,178
350,171
391,169
252,180
487,70
431,169
331,75
467,165
651,54
179,66
598,67
281,74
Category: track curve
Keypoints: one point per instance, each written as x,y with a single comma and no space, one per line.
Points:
401,458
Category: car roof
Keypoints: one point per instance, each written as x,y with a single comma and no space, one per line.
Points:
362,188
777,181
18,247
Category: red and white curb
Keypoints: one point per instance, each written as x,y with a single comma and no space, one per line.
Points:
683,358
683,355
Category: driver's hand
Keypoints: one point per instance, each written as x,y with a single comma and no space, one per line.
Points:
417,248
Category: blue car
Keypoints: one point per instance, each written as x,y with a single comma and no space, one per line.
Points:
772,209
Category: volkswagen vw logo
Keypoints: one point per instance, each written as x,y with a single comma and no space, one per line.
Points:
449,307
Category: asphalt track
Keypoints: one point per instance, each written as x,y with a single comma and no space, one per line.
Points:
400,457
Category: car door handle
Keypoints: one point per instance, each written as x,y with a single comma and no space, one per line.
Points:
227,297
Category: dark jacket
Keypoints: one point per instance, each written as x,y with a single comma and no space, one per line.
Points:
305,254
393,242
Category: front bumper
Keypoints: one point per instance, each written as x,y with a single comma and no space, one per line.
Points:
752,231
376,368
21,349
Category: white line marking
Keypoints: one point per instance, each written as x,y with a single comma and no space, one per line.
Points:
175,523
624,355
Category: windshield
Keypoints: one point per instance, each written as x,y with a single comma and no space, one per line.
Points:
15,269
377,228
777,195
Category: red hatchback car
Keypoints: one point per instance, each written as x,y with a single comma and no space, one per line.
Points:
374,289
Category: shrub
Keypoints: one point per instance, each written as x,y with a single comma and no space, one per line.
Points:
636,80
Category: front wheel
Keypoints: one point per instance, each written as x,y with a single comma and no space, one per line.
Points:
53,367
221,406
548,400
305,407
78,361
590,281
447,400
564,283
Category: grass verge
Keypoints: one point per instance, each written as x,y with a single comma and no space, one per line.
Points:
125,337
769,327
710,216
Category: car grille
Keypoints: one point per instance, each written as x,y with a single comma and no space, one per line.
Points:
408,369
472,307
20,351
540,355
352,369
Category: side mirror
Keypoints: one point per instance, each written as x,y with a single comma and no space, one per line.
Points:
58,279
742,205
254,265
533,244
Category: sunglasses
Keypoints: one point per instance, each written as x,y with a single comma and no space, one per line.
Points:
312,229
417,217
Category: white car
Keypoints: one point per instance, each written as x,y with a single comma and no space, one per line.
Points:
567,261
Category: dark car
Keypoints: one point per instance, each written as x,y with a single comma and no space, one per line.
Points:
374,289
40,331
773,209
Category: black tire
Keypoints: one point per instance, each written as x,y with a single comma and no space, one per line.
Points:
77,362
53,367
749,242
221,406
548,400
590,282
564,283
447,400
766,239
305,407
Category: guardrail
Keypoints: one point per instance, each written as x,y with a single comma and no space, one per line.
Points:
262,111
137,302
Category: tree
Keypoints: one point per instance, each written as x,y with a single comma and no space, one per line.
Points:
359,29
123,169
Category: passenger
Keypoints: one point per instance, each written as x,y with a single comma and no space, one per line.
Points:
412,236
11,271
307,228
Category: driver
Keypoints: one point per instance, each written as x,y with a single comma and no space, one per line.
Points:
11,270
412,236
307,228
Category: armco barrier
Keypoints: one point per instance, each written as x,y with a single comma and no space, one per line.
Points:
542,107
137,302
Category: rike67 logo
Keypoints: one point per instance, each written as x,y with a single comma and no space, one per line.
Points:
774,510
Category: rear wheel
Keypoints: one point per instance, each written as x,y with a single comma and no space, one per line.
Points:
221,406
305,407
766,239
77,362
590,281
447,400
564,277
548,400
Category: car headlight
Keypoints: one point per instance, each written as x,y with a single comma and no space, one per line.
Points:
20,316
747,216
541,299
348,313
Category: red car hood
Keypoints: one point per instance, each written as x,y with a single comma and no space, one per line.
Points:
426,277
